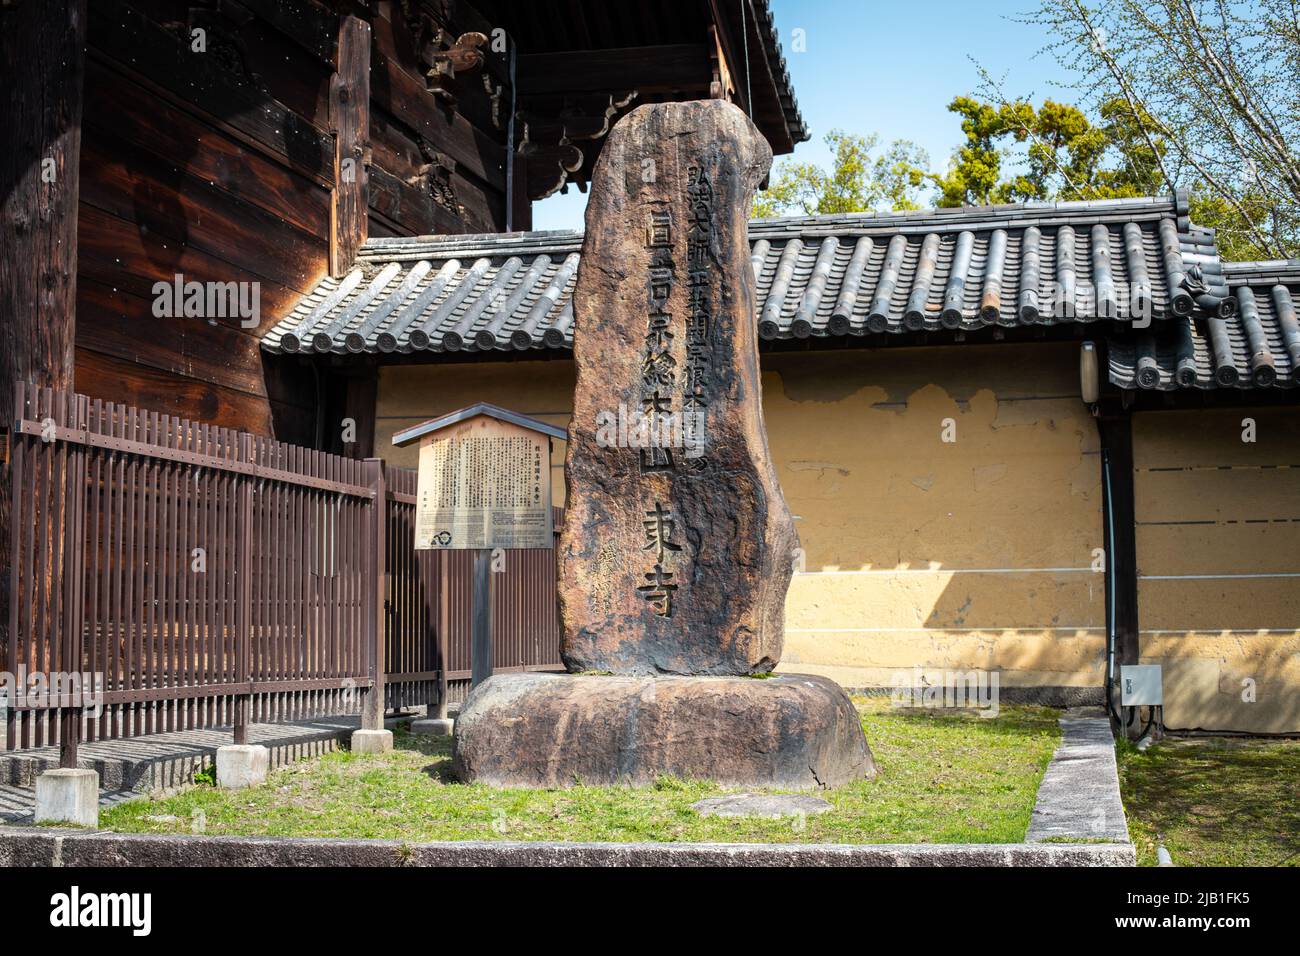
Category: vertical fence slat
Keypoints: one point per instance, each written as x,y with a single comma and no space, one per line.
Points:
374,577
92,582
73,583
18,475
243,554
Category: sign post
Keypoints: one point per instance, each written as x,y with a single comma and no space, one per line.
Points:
444,619
484,486
480,632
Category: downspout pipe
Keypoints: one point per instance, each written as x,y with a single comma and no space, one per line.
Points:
1111,636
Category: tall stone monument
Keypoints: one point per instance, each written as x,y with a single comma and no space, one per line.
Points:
677,547
676,555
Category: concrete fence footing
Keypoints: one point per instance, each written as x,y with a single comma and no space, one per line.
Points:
242,765
371,741
435,726
68,796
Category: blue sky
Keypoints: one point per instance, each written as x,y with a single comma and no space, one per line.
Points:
889,68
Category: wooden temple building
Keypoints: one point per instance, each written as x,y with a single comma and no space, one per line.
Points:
1037,439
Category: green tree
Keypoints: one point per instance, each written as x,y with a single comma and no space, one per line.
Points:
1062,154
859,180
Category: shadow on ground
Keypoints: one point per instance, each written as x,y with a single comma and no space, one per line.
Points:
1215,801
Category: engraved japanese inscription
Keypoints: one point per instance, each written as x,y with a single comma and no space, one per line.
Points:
677,545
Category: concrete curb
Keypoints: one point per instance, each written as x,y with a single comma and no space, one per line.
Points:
50,848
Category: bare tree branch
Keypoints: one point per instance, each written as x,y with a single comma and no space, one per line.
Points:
1216,83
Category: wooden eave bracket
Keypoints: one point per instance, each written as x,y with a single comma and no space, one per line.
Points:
447,56
549,142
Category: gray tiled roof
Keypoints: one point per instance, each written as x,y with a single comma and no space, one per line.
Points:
1258,347
817,276
970,267
441,294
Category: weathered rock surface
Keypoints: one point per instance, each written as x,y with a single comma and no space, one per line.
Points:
790,732
675,558
767,806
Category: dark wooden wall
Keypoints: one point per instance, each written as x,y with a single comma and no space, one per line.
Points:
219,165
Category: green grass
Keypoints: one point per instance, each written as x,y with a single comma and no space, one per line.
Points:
1214,801
944,777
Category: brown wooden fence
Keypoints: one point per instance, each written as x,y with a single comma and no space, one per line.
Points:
209,577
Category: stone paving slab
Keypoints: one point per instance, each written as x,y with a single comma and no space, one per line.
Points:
770,806
1079,797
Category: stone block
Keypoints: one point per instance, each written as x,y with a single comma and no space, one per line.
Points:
371,741
766,806
68,796
674,558
242,765
435,726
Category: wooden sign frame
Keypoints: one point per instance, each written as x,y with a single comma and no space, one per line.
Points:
484,480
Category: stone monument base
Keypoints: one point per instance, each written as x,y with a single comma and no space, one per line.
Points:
792,731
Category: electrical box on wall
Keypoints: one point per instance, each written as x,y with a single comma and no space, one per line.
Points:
1141,685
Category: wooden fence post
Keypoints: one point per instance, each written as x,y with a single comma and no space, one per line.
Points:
10,538
244,591
375,573
72,413
480,645
444,622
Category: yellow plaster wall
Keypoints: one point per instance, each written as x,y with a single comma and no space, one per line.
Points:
976,553
1218,542
921,552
